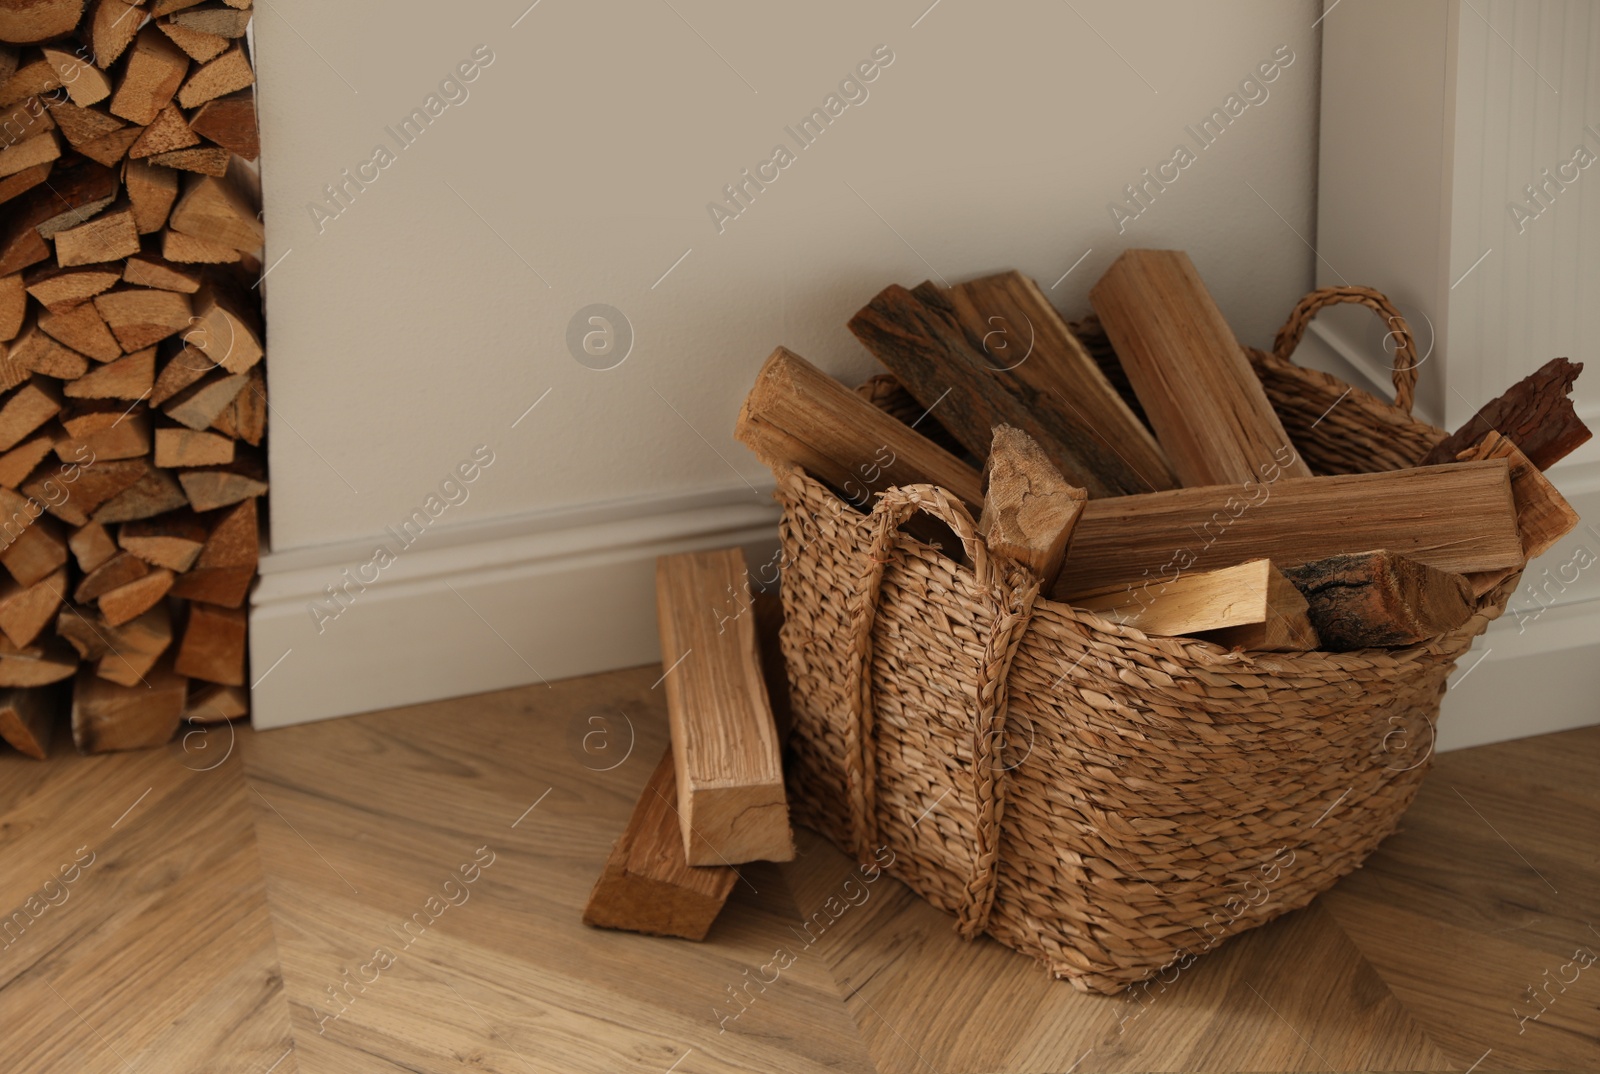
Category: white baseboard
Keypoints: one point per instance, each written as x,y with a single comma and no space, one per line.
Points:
505,603
481,606
1528,675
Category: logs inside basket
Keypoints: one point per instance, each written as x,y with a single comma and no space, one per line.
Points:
1193,513
133,409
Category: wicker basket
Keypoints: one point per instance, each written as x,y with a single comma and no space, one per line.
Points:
1110,803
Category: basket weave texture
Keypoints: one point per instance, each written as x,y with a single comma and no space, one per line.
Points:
1110,803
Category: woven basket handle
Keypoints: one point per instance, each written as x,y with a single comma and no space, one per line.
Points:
901,502
1405,353
1014,590
888,514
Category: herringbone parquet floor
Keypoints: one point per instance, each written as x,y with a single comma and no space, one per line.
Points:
295,901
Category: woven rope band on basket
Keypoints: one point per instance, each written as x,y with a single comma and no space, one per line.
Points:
1104,801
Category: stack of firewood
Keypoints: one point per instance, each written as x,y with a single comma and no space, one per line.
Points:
1152,483
134,402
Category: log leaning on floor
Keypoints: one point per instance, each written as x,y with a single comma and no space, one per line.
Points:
132,395
1459,517
646,885
1380,598
1204,401
731,802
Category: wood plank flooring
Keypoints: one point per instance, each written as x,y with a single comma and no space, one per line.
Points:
402,891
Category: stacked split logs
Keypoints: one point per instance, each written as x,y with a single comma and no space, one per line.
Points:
133,409
1116,485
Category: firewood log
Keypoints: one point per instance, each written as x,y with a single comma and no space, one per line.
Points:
134,598
1205,403
108,716
126,439
116,571
211,702
230,122
153,270
216,209
198,405
1458,517
731,803
13,186
141,316
40,149
227,564
169,131
646,885
61,289
1029,509
28,718
213,646
182,365
228,72
1253,593
155,69
1543,515
173,540
203,159
199,46
1535,413
13,305
26,610
82,329
245,418
25,409
1379,598
218,19
1032,354
34,351
211,487
113,24
95,486
38,553
134,647
154,493
45,662
83,82
91,546
107,237
20,462
38,20
185,448
151,191
798,414
176,246
928,352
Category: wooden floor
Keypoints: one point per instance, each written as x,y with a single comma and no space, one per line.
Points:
402,891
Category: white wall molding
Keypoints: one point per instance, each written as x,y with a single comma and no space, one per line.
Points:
480,606
1528,675
1435,115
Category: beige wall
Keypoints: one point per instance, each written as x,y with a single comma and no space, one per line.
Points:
415,325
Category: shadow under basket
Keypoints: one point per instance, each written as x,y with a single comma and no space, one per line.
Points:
1109,803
